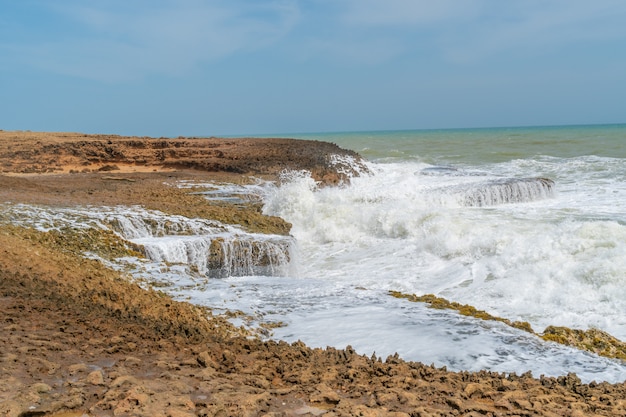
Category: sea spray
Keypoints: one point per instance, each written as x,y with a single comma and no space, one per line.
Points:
494,257
538,239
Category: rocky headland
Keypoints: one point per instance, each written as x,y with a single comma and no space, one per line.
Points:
81,339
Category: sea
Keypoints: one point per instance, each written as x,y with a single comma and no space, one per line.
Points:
525,223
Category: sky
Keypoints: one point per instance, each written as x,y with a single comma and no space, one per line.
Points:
168,68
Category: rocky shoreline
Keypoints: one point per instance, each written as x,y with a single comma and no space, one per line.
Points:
80,339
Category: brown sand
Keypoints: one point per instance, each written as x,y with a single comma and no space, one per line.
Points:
79,339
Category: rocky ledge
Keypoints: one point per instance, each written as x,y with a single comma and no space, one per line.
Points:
29,152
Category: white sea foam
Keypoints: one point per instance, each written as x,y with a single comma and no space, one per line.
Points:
553,257
395,229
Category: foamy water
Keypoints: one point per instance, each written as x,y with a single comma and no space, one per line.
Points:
465,216
542,261
546,255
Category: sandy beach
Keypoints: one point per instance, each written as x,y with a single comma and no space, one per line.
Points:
80,339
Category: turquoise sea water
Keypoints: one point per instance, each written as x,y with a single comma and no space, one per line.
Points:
485,145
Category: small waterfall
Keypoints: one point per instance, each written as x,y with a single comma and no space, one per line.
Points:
224,255
141,224
241,257
509,190
189,250
206,247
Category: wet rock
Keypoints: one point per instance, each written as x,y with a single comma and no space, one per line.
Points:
592,340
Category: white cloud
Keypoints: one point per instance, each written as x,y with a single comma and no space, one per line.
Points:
117,42
471,30
121,40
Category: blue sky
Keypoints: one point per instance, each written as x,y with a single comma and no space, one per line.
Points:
234,67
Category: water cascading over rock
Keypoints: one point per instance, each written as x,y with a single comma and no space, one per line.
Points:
502,191
207,247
